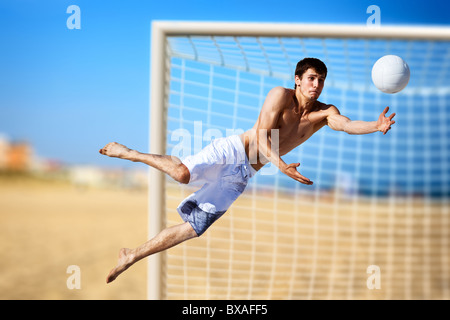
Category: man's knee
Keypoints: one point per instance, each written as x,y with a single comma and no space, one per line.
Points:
183,174
190,231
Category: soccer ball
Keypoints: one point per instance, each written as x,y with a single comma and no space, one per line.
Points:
390,74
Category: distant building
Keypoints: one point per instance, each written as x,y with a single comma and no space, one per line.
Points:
15,156
19,157
4,150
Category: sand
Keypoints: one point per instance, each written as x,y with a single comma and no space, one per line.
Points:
45,227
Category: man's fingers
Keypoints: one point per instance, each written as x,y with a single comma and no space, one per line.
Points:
293,165
307,182
296,175
304,180
388,125
386,131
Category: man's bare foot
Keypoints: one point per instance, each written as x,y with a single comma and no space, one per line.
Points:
114,149
125,261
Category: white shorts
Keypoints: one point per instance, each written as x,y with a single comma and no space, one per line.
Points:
224,170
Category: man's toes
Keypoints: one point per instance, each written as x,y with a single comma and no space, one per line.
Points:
104,150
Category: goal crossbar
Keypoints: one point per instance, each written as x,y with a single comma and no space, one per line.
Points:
184,28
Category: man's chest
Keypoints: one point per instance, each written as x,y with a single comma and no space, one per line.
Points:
292,124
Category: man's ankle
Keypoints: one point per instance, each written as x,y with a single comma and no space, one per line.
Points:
133,155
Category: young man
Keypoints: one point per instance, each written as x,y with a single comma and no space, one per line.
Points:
287,119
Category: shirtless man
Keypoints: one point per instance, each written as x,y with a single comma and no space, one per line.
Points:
287,119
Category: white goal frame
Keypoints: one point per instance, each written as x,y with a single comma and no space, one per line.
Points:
160,30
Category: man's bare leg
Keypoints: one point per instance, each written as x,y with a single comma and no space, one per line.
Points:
164,240
170,165
167,238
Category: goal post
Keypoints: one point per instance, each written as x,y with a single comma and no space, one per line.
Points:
156,183
203,48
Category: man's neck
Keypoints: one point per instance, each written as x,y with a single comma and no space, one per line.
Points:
304,105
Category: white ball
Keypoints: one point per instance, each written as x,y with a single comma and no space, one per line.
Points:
390,74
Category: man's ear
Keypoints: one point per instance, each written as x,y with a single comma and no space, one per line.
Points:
297,80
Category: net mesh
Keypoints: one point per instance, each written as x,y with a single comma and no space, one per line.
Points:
377,201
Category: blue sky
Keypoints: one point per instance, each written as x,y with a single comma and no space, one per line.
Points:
69,92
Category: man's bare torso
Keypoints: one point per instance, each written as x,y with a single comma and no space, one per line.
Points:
293,128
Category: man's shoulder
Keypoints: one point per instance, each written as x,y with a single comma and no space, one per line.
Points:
327,108
279,97
280,92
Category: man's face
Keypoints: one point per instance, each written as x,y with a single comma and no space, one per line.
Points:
311,84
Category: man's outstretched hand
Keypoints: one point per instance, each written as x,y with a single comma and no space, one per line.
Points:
291,171
384,123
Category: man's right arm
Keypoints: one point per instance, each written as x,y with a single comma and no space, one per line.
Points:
338,122
268,146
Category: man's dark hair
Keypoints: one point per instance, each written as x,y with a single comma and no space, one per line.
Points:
313,63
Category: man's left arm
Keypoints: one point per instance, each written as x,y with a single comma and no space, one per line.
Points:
338,122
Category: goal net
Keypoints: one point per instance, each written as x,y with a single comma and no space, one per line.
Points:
375,224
